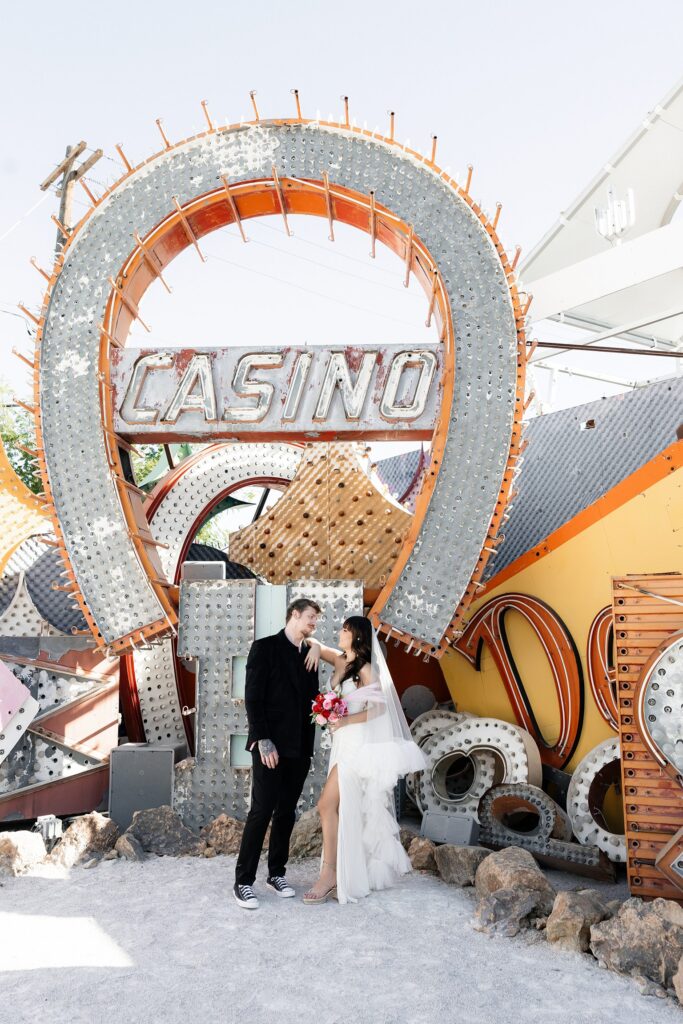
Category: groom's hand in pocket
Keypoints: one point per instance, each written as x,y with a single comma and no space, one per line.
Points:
268,752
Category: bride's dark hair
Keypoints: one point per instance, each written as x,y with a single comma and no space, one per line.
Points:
361,644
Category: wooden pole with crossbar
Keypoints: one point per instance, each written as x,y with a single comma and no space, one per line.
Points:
69,175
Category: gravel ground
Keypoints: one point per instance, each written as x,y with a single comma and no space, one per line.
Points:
164,941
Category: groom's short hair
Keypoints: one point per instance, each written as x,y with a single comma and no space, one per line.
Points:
300,605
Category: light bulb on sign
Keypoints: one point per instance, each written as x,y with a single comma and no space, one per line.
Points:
614,220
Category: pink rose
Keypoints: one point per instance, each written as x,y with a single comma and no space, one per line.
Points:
327,704
342,708
333,717
321,720
330,695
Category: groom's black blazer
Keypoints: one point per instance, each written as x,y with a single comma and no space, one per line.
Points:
278,695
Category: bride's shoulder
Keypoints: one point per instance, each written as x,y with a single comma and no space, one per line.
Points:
364,677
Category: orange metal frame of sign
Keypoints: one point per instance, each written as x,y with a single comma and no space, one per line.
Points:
488,626
601,671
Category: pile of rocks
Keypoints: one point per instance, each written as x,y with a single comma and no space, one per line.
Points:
631,937
88,839
94,837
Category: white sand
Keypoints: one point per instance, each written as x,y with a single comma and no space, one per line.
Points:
165,942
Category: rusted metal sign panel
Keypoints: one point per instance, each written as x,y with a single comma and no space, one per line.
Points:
345,526
376,392
648,625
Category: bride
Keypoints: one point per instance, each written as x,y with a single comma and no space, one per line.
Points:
371,749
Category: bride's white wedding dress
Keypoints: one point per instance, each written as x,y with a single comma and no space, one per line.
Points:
370,757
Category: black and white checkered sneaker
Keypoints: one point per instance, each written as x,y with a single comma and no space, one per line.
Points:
280,885
244,894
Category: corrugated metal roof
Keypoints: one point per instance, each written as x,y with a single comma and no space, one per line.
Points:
567,468
398,471
55,606
207,553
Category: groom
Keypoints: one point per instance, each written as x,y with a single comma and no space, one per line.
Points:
278,695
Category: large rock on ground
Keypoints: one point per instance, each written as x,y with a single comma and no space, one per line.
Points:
86,836
421,853
678,981
573,915
19,851
644,940
307,836
129,848
224,834
159,830
406,836
458,865
506,911
514,868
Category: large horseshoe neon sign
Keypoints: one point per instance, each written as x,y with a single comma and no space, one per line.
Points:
229,174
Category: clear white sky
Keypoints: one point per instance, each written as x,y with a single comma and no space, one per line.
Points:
537,95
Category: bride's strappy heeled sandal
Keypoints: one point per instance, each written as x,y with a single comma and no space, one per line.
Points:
330,894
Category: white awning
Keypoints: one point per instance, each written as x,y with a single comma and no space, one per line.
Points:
573,270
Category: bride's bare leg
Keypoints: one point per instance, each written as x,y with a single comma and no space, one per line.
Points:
328,808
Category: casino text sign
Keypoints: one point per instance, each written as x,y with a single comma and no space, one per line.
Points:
375,392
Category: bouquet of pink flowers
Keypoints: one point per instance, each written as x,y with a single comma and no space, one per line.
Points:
328,707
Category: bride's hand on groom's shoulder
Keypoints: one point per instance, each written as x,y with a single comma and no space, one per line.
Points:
313,657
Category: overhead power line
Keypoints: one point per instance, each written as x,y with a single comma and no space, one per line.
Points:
311,291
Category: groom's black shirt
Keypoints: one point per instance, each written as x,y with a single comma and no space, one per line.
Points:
278,695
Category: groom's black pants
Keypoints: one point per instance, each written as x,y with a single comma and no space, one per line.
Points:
274,793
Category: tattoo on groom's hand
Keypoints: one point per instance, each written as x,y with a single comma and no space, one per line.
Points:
268,752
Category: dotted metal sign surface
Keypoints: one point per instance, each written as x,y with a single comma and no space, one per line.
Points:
662,704
582,805
53,689
216,624
36,760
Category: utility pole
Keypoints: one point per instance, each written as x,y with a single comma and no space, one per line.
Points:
69,174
